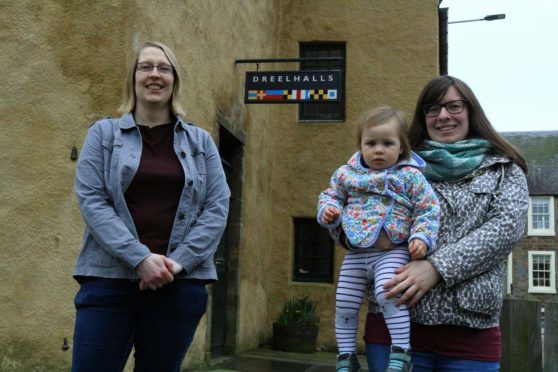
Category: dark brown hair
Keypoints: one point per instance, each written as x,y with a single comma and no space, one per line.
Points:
479,125
381,115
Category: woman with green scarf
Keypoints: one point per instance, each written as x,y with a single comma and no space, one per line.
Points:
455,294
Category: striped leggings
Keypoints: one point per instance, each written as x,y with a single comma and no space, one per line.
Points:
359,269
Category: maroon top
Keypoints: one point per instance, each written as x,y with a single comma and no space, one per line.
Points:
154,193
451,341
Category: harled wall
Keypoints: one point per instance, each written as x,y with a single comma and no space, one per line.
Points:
392,51
63,67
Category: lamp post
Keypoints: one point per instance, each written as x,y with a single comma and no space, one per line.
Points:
443,34
490,17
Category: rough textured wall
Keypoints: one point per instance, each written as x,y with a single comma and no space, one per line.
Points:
64,68
64,65
392,51
259,40
61,68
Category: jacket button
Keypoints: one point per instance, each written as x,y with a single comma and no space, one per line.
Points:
181,216
182,154
190,183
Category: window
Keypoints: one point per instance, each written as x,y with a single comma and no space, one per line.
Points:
542,272
333,111
541,215
313,255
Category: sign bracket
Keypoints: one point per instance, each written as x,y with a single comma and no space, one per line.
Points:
273,60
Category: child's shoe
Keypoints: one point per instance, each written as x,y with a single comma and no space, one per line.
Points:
347,362
399,360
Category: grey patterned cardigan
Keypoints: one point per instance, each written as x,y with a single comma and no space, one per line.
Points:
482,217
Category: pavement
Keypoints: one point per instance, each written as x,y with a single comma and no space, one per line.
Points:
267,360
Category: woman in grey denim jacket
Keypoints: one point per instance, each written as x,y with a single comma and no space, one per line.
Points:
455,293
154,199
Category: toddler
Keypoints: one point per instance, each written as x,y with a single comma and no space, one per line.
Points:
381,208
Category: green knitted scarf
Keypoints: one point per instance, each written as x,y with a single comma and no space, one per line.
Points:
453,161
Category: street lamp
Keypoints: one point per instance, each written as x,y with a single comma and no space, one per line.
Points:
491,17
443,34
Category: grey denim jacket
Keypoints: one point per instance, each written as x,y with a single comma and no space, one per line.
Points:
482,217
107,164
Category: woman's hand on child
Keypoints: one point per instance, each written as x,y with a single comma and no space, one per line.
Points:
330,214
417,249
412,281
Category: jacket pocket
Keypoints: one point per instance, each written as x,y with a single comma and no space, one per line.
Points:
199,159
111,150
481,294
200,182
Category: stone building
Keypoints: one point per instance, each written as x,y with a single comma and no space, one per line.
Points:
64,63
532,269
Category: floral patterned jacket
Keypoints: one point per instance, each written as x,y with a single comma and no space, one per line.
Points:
482,217
398,200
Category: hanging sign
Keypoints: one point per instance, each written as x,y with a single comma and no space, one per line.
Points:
293,86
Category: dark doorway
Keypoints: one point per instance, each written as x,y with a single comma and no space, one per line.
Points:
225,291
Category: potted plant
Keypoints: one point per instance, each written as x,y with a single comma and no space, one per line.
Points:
296,327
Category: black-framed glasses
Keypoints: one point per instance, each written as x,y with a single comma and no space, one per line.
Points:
453,107
148,67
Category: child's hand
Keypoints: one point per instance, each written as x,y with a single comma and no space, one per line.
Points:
330,214
417,249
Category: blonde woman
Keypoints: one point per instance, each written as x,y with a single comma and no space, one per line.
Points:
154,199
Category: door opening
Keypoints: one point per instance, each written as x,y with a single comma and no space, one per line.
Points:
225,291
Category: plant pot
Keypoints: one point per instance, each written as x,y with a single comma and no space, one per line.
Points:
295,338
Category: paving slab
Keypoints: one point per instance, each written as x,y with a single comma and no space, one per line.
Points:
267,360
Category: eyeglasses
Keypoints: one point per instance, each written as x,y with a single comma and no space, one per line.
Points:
148,67
453,107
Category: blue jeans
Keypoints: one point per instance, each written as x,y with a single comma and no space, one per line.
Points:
377,357
112,315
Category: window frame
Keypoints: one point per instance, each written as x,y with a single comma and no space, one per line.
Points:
541,232
326,245
508,281
542,289
321,48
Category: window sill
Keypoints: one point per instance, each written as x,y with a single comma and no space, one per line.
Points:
312,284
541,233
336,121
542,290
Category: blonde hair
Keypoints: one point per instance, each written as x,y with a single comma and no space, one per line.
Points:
381,115
129,98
